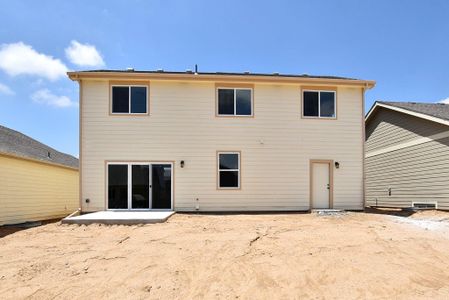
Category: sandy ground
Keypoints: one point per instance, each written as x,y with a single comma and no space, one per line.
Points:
277,256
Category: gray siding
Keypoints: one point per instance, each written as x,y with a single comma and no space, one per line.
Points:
418,173
388,127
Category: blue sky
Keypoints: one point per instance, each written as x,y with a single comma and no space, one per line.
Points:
403,45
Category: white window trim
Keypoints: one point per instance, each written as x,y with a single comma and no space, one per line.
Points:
129,192
319,104
228,170
129,86
235,101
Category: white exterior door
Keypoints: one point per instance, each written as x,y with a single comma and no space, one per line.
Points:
320,186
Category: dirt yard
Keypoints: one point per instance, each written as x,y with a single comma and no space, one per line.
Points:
282,256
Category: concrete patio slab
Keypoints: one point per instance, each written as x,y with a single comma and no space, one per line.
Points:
120,217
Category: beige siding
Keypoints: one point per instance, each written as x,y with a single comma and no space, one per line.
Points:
276,145
416,173
31,191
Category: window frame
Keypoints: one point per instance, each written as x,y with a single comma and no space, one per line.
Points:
129,85
239,170
235,88
129,165
319,91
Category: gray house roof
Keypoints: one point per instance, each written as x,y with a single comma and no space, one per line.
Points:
438,110
242,76
219,73
17,144
435,112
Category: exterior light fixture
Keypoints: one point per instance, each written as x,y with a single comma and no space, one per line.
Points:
182,164
337,165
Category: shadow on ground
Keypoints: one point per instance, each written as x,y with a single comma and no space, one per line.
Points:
10,229
390,211
233,213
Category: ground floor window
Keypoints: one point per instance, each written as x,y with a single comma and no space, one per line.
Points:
139,185
228,170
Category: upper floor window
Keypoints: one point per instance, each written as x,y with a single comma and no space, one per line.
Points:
319,104
235,102
129,99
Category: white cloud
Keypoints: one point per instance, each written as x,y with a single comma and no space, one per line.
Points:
4,89
21,59
37,82
44,96
445,101
84,55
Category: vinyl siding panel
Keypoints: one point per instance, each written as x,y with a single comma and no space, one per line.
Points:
31,191
276,145
388,128
418,173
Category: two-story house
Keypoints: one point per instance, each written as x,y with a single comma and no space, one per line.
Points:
185,141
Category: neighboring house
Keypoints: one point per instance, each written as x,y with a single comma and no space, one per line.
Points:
407,155
36,181
190,141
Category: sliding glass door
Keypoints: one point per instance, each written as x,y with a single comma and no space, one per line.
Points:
161,195
118,186
140,189
139,186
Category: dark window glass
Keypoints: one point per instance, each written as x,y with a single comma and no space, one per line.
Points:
225,101
118,186
229,179
161,186
327,104
140,186
310,104
229,161
243,102
138,99
120,99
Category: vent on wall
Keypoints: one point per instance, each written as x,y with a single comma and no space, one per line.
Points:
424,205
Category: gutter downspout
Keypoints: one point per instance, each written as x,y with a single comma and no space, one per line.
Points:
80,106
364,89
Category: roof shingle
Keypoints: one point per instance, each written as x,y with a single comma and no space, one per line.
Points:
438,110
275,74
18,144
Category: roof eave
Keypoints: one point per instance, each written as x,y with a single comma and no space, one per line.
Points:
377,104
17,156
76,76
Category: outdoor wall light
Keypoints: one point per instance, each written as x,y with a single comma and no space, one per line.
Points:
182,164
87,200
337,165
